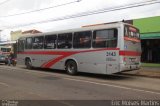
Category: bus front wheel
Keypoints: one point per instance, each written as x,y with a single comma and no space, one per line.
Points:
28,64
71,67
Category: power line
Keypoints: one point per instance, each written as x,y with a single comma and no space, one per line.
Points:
90,13
42,9
37,10
4,2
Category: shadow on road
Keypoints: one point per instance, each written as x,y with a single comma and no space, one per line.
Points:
88,75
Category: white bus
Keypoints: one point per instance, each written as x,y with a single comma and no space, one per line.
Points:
103,49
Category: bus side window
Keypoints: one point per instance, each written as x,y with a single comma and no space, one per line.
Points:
28,44
105,38
38,42
20,45
50,41
64,41
82,39
99,38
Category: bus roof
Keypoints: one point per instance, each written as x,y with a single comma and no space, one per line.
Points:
83,28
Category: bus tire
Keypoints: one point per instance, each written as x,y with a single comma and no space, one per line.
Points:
29,64
71,67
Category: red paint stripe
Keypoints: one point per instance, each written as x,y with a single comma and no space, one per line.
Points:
129,53
46,52
55,60
64,54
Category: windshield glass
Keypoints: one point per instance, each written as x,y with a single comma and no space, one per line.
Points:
132,38
131,32
5,49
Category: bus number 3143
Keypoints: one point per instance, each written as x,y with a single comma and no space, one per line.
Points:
110,53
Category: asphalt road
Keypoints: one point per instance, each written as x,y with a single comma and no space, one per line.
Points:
18,83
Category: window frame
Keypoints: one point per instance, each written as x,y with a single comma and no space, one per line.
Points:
55,43
40,45
67,44
23,40
26,44
131,34
83,45
103,41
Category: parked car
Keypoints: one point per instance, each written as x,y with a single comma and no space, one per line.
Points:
3,59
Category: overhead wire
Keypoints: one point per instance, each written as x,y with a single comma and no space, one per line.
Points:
46,8
103,10
1,3
41,9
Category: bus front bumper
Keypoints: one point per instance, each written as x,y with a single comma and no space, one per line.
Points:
129,67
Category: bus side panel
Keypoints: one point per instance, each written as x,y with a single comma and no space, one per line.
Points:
40,60
60,65
112,60
91,62
21,59
101,62
37,60
131,61
98,62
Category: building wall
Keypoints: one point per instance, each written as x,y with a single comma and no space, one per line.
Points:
15,35
148,25
150,38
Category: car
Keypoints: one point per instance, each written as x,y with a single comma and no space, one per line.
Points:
3,59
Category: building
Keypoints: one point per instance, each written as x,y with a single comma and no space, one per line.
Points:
33,31
150,37
16,34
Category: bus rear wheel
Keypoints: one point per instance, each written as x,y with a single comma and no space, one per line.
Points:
28,64
71,67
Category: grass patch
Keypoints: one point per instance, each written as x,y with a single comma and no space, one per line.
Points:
150,65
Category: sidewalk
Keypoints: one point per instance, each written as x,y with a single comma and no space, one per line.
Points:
153,72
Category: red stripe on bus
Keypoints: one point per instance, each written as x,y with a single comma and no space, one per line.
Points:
63,54
129,53
46,52
53,61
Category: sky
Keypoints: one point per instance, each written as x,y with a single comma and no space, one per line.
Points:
52,15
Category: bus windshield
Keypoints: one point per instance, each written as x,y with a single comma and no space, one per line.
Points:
5,49
131,32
